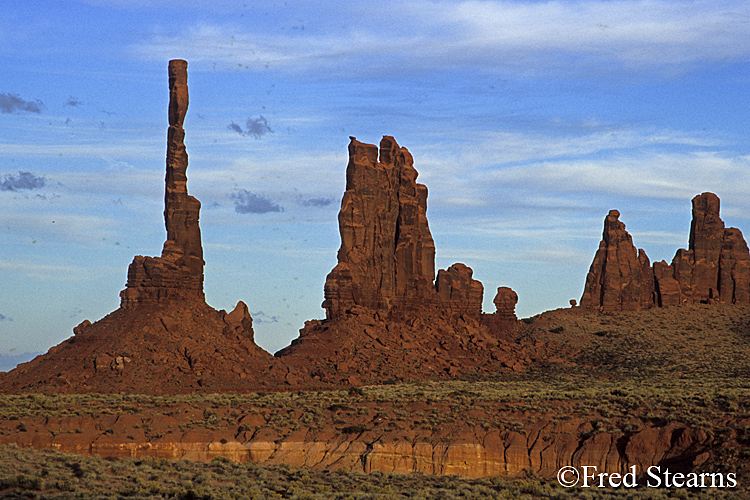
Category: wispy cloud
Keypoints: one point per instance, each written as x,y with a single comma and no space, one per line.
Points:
44,271
14,104
523,36
256,127
317,202
246,202
262,318
24,180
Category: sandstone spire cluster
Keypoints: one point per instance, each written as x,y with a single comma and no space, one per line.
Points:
714,268
178,273
386,262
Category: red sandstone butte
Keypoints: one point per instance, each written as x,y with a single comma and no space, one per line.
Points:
387,317
387,257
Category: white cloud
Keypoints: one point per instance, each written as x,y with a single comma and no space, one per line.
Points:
655,175
519,172
46,271
496,35
640,33
120,149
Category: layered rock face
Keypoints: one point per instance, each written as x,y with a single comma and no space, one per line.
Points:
456,288
386,262
178,273
714,269
505,303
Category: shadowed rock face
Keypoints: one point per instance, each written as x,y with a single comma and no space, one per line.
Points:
715,268
178,273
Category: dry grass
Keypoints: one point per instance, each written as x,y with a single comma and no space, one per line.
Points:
52,475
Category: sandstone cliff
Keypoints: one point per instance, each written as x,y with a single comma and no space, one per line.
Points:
714,269
465,433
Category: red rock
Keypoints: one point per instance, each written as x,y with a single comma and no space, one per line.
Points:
385,318
706,235
459,291
164,338
178,273
715,268
505,303
667,288
387,256
734,268
620,278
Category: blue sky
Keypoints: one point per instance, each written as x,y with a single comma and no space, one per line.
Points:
528,121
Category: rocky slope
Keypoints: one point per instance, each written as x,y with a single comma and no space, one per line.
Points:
468,429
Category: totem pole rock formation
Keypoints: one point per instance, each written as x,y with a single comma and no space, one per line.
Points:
164,338
178,273
714,269
386,261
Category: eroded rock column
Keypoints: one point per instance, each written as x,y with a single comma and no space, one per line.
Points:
178,273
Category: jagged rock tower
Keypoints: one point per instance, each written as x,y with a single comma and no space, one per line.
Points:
620,277
386,262
178,273
714,268
164,338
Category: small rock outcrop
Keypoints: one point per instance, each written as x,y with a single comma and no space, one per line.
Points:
505,303
459,291
178,273
714,269
503,322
